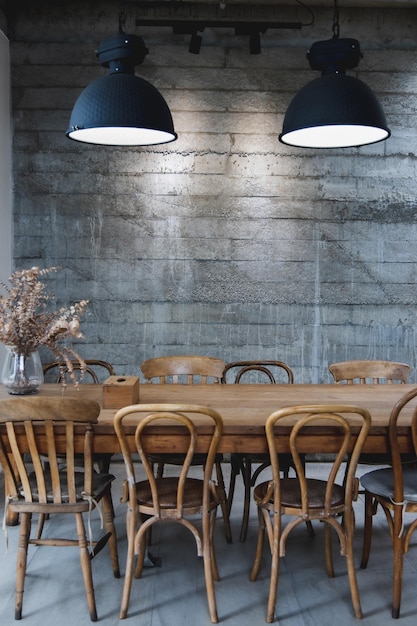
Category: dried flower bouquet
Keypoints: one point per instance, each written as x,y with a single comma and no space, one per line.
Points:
26,323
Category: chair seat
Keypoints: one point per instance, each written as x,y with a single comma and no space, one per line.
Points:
291,495
100,484
381,483
167,491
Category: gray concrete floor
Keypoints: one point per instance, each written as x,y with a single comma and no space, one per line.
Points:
174,594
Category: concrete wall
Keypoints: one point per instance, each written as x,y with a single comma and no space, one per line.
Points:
225,242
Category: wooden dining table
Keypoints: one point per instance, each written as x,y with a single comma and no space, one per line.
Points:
244,409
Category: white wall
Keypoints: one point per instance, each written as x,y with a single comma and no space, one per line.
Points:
5,168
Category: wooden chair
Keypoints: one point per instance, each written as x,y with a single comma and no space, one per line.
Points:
370,372
376,372
185,369
304,498
188,370
94,372
272,372
395,489
33,426
169,499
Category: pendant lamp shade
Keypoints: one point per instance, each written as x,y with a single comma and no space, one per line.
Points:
121,109
335,110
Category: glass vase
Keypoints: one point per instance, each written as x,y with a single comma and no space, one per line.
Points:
22,374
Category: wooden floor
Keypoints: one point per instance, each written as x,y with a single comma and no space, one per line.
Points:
174,594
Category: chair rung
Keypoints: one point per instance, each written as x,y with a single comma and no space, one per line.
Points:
99,545
54,542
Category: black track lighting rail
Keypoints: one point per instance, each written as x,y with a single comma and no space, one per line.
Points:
189,17
185,27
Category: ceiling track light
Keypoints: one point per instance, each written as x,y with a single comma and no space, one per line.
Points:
335,110
195,43
255,43
191,27
183,28
254,33
121,109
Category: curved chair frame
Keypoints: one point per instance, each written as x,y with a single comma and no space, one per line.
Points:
242,463
62,369
307,499
394,489
189,370
264,367
169,499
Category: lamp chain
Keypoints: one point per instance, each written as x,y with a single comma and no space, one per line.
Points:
335,27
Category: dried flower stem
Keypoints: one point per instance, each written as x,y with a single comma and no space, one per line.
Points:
26,324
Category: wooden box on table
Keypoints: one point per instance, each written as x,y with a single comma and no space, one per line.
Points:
120,391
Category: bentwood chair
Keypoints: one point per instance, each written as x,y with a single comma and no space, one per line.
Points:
303,498
173,498
270,372
94,372
395,489
370,372
188,370
35,426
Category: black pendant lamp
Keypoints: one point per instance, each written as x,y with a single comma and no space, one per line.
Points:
121,109
335,110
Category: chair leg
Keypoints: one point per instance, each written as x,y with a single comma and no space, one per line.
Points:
353,583
367,529
259,547
103,463
398,547
224,503
208,567
273,585
108,517
247,477
103,467
235,469
130,562
41,522
328,550
21,561
86,566
140,560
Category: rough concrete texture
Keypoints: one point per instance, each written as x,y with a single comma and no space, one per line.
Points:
225,242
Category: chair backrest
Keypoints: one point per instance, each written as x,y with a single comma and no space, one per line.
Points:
335,416
183,415
375,372
396,460
185,369
38,429
96,370
273,372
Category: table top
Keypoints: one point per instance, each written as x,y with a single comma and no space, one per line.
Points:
245,408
